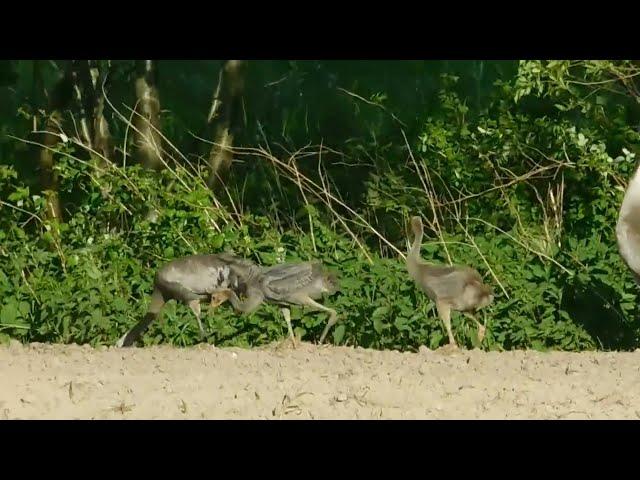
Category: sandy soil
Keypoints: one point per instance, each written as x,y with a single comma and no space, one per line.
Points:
78,382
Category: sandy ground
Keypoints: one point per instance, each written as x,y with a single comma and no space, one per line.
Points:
78,382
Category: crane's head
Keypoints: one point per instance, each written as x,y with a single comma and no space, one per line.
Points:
330,282
485,296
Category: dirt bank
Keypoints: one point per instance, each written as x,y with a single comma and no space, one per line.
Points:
71,382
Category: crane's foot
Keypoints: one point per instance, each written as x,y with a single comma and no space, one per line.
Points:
449,349
289,342
286,344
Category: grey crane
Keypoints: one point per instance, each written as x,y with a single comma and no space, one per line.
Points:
457,288
190,280
288,284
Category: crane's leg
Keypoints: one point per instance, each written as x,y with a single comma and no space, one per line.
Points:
195,307
286,313
333,316
484,323
444,311
155,307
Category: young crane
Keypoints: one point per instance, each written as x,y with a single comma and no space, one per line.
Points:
451,288
190,280
288,284
628,226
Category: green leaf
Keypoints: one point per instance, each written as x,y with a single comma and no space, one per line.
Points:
378,315
582,141
380,312
24,308
20,194
217,241
96,317
92,272
378,325
434,341
537,270
538,345
8,314
120,304
401,323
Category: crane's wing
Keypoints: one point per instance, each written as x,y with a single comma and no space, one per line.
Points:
289,277
451,281
231,259
242,267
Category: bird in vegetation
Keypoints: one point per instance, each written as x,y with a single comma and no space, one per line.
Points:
452,288
190,280
288,284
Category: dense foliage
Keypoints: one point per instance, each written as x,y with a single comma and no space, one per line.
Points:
518,168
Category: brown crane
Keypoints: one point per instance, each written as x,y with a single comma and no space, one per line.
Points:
455,288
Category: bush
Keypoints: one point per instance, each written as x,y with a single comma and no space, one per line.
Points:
525,187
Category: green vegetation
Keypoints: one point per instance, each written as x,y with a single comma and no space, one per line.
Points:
517,168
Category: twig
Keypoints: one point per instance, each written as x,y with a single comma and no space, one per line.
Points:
369,102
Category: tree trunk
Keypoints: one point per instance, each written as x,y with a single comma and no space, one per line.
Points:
59,100
224,117
146,137
102,140
82,99
48,176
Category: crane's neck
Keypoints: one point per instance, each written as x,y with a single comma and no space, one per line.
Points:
417,242
254,298
413,258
